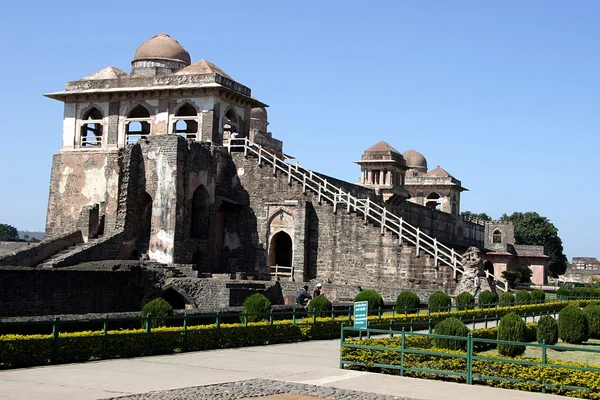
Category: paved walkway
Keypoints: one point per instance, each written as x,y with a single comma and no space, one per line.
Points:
315,362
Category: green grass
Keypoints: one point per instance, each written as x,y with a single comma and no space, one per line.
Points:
568,356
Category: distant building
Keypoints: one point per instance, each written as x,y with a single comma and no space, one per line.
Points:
582,270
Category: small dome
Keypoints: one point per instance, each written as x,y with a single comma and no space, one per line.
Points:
259,113
414,159
162,47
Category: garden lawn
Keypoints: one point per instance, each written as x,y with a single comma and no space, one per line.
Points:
568,356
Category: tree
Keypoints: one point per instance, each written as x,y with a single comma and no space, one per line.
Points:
533,229
479,216
8,233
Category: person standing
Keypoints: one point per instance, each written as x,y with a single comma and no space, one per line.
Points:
317,291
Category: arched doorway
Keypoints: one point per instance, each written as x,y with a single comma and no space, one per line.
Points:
200,214
280,250
433,201
146,209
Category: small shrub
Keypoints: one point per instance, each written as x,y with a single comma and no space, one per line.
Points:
156,308
597,292
592,313
407,301
583,292
547,330
465,301
506,299
511,328
487,299
572,325
439,301
563,292
321,305
523,297
375,300
538,296
255,304
451,327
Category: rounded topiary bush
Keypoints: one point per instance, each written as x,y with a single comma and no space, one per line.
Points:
253,305
407,301
375,300
572,325
321,305
487,299
583,292
563,292
506,299
597,292
439,301
523,297
538,296
592,313
465,301
547,330
451,327
512,329
156,308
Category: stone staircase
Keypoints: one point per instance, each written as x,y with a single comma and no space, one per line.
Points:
372,213
49,262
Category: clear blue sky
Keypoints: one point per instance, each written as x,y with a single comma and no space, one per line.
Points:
505,95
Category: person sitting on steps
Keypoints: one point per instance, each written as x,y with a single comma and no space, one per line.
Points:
303,296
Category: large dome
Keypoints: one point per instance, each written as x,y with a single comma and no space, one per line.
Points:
414,159
162,47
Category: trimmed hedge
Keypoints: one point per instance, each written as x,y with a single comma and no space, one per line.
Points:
321,305
506,299
375,300
487,298
572,325
563,291
256,304
592,313
512,329
156,308
439,301
522,297
547,330
538,296
465,301
407,301
451,327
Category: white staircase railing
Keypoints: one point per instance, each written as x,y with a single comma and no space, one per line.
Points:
370,210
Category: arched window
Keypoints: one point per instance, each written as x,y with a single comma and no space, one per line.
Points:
496,236
186,122
200,214
91,129
137,124
230,125
433,201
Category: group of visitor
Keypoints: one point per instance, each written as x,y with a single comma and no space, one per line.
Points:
303,297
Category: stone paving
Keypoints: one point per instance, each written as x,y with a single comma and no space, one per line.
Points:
259,388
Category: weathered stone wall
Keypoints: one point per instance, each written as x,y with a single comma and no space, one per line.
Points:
9,247
35,253
109,247
26,291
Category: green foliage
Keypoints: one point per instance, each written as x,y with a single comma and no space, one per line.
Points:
512,329
583,292
321,305
465,301
8,233
407,301
533,229
258,303
506,299
451,327
476,216
563,292
439,301
375,300
547,330
572,325
518,275
592,313
538,296
487,299
156,308
523,297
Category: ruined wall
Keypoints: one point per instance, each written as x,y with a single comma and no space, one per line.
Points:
80,180
35,253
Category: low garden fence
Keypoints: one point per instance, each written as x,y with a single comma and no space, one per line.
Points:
413,354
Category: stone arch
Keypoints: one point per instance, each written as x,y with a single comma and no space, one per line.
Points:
488,266
176,297
137,124
230,123
92,124
199,228
185,121
433,201
281,249
496,235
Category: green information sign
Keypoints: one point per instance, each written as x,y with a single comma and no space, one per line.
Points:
361,310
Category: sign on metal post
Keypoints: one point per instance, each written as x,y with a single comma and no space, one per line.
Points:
361,309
